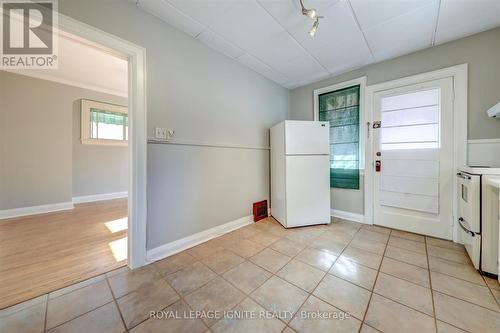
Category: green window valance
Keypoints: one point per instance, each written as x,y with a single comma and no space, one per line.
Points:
108,117
341,109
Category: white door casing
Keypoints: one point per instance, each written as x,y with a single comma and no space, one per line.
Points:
413,190
137,206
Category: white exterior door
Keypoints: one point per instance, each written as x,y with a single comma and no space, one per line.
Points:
413,158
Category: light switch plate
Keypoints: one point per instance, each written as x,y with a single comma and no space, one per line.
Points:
160,133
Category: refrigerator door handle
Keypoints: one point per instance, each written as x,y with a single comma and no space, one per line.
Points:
463,176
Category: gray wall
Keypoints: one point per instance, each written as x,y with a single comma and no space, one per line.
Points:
480,51
206,97
97,169
35,136
42,159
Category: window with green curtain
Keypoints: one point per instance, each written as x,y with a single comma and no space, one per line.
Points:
108,125
341,109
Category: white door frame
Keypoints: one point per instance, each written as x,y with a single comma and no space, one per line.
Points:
460,88
137,207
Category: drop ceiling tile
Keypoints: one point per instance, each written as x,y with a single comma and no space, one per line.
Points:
203,11
277,50
339,59
311,79
460,18
166,12
403,34
218,43
301,69
373,12
249,26
258,66
246,23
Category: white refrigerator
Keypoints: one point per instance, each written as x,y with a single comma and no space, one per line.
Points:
300,173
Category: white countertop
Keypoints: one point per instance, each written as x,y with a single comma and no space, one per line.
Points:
492,180
480,170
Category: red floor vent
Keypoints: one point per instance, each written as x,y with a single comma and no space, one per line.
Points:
259,210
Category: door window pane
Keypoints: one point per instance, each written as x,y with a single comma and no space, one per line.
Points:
410,120
412,116
411,100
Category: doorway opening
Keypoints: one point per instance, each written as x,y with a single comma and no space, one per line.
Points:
119,215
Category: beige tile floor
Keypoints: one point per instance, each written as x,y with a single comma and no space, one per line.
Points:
375,279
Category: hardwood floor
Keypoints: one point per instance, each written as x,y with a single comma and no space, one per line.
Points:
42,253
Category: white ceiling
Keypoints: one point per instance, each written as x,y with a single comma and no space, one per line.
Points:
271,36
84,64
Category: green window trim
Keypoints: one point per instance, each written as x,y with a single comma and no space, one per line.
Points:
341,109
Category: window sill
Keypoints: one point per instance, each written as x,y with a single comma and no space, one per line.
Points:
104,142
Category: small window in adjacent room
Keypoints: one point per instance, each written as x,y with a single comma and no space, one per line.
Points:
341,109
104,123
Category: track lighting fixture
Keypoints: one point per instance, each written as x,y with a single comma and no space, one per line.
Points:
311,13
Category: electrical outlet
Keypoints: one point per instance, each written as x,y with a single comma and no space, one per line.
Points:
160,133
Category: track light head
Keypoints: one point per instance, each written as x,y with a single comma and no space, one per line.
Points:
309,12
314,27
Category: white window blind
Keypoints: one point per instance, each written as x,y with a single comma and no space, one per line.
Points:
410,120
410,144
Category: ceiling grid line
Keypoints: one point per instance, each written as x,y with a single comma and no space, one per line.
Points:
361,30
433,42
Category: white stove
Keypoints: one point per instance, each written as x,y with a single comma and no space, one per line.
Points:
478,216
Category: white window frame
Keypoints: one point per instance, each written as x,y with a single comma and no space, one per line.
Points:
86,137
361,81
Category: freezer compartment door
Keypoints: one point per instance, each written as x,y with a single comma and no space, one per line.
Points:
307,137
307,190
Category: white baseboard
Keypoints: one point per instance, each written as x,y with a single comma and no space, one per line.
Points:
42,209
182,244
341,214
99,197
